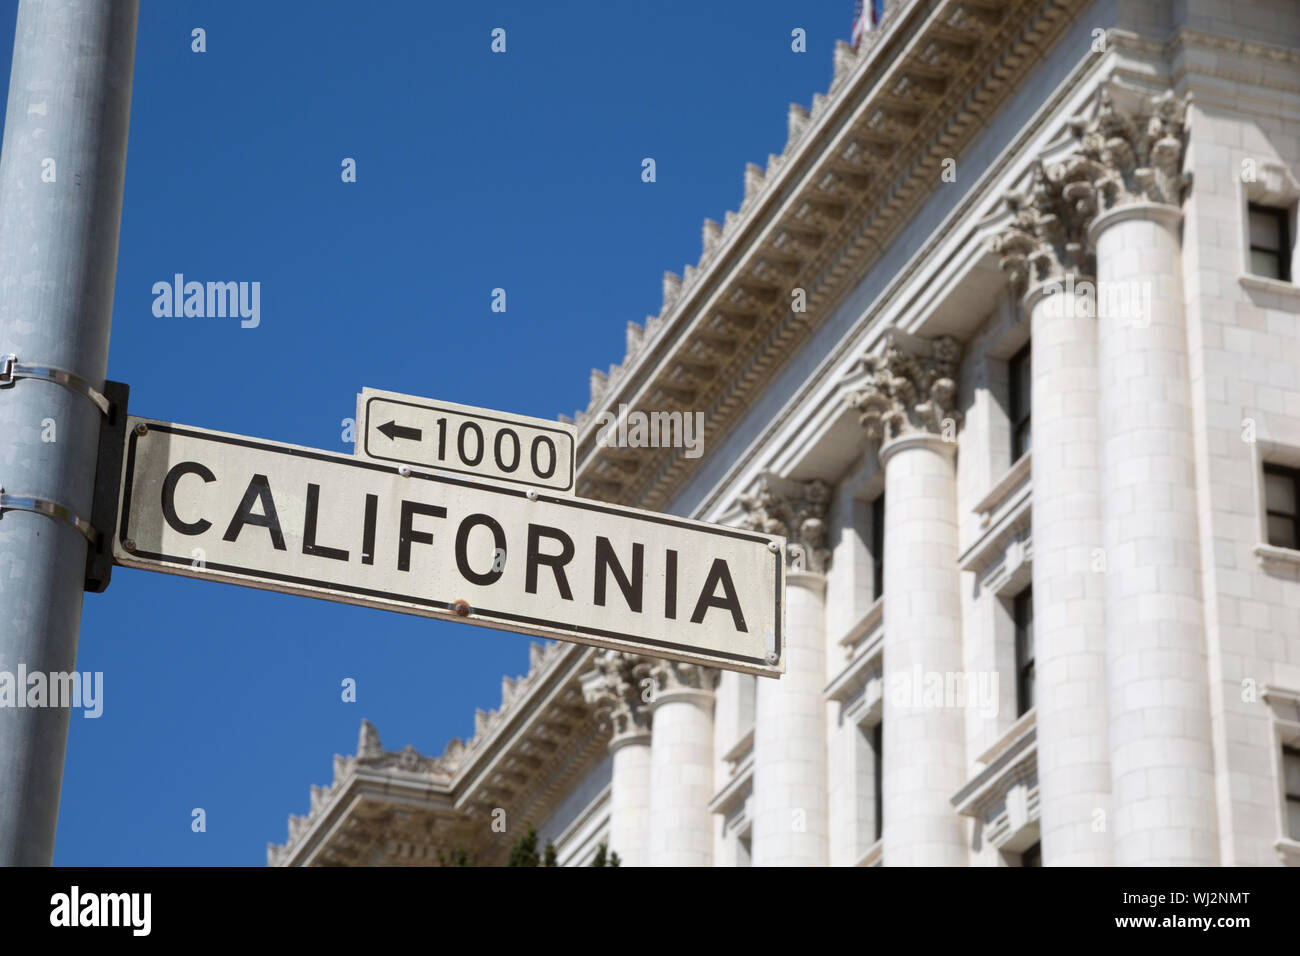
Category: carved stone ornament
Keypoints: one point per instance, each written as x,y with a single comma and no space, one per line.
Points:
674,677
369,744
1141,156
1119,159
796,510
1048,234
614,692
371,754
910,388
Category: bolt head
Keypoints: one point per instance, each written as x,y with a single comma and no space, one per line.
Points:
772,659
142,429
129,544
404,471
773,547
531,494
461,608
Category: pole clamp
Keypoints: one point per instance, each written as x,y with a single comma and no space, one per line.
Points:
51,509
11,370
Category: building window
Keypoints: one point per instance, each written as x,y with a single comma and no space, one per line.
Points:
878,546
877,775
1021,430
1282,505
1024,614
1032,856
1270,242
1291,773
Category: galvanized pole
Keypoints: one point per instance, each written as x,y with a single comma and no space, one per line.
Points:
61,175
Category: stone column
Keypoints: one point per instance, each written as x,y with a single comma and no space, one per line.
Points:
1046,248
681,763
789,802
1161,754
904,398
612,688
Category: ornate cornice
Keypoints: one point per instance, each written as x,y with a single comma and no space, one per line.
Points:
796,510
908,389
477,776
358,842
372,755
613,690
851,175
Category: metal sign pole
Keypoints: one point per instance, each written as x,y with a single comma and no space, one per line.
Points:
61,178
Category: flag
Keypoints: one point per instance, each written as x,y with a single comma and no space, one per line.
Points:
858,26
866,16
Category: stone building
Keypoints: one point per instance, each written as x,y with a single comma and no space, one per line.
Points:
1006,341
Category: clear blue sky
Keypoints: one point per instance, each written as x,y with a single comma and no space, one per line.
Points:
475,171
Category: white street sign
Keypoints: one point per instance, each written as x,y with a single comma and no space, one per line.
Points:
268,515
465,440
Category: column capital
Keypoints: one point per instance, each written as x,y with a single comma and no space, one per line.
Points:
796,510
1138,150
1124,156
1047,238
909,388
613,689
674,680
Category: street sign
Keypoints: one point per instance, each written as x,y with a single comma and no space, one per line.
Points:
465,440
267,515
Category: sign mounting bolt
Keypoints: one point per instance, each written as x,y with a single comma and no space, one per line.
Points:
532,494
404,471
461,607
772,659
773,547
142,429
129,543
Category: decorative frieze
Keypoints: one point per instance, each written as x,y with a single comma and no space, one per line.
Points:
796,510
909,388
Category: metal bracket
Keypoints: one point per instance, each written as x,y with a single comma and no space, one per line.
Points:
108,481
108,474
51,509
11,370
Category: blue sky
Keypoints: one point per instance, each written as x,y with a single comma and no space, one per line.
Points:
475,170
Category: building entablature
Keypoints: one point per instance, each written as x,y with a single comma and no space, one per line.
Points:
517,764
853,173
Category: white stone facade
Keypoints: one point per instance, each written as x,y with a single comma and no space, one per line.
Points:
1107,159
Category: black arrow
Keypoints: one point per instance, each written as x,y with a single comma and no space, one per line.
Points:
395,431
